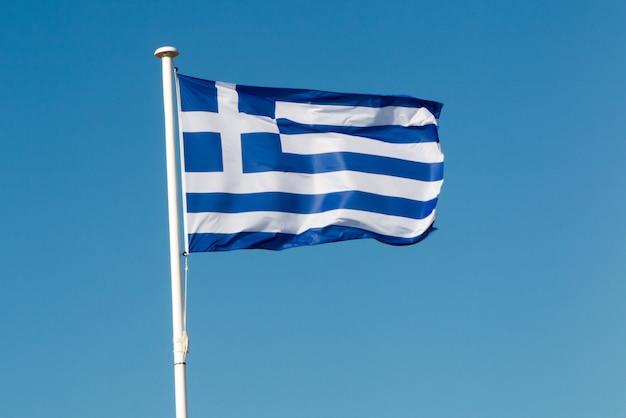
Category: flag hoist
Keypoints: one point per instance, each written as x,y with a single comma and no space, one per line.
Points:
167,54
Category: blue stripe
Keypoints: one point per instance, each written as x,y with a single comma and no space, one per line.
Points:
201,95
203,152
262,100
389,133
262,152
308,204
202,242
197,94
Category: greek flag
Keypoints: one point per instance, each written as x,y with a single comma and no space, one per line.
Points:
276,168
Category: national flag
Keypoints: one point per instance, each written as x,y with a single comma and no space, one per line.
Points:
275,168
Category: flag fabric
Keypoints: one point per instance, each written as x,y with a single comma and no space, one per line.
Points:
275,168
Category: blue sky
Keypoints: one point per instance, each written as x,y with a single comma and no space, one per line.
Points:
512,308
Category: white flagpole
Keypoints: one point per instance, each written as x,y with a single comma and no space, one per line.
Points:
167,54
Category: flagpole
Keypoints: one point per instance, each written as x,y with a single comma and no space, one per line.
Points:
167,54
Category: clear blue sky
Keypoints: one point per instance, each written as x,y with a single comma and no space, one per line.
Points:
513,308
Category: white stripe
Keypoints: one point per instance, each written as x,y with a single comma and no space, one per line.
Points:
354,115
290,223
319,143
313,184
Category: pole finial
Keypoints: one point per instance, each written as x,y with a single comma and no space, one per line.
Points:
166,51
